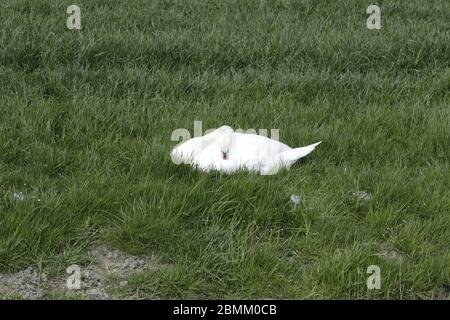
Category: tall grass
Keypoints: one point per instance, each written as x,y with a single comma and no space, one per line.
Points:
86,118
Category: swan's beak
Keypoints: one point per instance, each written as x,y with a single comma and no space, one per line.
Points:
225,156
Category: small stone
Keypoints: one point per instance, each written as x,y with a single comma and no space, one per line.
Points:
295,198
92,278
18,196
44,277
123,283
391,255
363,195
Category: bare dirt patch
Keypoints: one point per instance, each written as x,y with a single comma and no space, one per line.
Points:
110,269
26,283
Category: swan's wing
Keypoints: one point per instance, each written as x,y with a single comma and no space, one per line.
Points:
188,150
252,147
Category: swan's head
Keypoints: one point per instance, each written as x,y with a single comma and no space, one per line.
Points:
223,140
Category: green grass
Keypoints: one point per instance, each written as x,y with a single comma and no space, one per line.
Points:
86,118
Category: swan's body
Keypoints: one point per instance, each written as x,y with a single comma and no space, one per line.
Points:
228,151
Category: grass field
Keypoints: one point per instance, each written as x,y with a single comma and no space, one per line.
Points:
86,119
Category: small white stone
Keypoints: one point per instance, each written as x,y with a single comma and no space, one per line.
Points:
18,196
363,195
295,198
123,283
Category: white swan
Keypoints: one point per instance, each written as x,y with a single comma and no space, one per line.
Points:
228,151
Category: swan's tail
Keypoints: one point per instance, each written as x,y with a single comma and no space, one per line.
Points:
289,157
